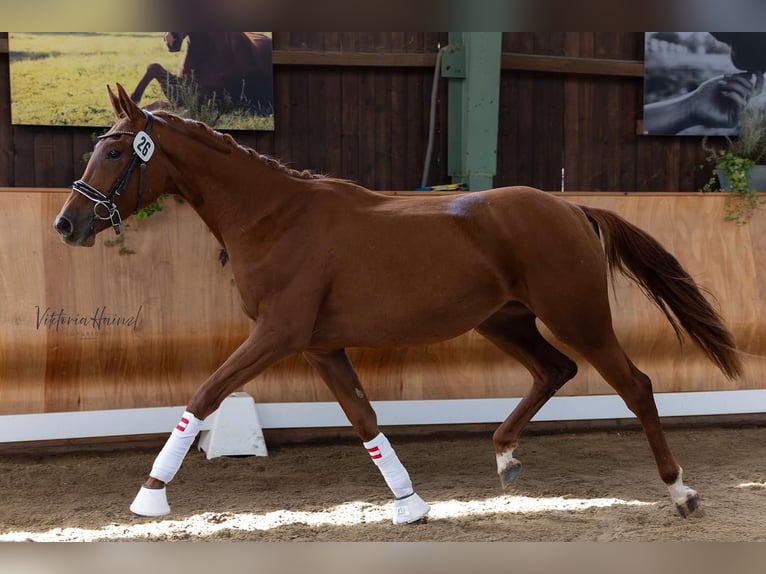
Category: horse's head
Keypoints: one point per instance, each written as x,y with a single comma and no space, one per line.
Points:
174,40
119,178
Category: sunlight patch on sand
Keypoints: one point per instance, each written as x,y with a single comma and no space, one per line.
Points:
752,485
349,514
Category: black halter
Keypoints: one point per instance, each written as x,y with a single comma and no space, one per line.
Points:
105,206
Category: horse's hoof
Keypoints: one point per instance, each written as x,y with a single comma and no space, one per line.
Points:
688,507
509,473
410,510
150,502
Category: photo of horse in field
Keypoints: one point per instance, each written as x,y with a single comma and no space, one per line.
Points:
74,67
227,66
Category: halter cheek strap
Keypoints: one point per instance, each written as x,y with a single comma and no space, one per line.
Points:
105,206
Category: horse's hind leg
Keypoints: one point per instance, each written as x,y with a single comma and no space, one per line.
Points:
635,388
587,327
514,331
337,372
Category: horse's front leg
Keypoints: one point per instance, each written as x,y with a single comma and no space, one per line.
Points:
254,355
165,79
338,373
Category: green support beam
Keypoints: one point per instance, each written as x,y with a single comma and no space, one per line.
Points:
471,62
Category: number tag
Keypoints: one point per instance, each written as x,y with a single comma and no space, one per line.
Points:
143,146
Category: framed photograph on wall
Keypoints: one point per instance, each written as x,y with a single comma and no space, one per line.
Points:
222,78
697,83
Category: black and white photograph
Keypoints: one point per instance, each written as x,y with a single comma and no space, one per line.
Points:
698,83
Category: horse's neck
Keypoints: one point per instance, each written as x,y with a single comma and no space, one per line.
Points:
233,192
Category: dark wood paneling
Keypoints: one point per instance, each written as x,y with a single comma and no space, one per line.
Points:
6,133
349,129
356,105
548,95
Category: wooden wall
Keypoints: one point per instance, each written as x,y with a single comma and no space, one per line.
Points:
356,105
190,319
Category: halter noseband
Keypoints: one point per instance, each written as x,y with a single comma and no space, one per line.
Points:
105,206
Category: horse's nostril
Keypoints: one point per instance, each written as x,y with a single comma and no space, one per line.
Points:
63,226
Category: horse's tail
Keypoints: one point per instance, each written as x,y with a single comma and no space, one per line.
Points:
639,256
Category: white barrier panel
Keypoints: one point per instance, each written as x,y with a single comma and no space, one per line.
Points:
123,422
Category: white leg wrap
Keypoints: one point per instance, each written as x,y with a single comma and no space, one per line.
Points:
172,454
394,473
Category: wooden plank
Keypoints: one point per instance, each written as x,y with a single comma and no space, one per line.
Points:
517,108
299,114
382,119
548,98
6,131
630,96
350,114
282,105
367,138
568,65
351,59
582,159
315,104
22,345
510,61
24,154
398,130
331,110
416,107
43,147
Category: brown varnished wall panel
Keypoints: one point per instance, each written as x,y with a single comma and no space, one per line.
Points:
190,317
172,283
22,287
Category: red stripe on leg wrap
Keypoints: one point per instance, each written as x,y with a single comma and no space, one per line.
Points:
374,453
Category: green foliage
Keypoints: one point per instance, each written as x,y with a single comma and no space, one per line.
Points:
751,139
733,163
143,213
152,208
115,242
120,244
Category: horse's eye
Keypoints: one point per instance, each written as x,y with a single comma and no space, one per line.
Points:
113,154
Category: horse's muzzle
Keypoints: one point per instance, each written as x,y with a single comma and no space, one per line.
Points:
66,229
63,226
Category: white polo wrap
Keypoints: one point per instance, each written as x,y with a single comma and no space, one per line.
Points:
172,454
394,473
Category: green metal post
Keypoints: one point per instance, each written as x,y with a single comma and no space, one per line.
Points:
471,62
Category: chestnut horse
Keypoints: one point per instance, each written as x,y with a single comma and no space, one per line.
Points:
322,264
234,63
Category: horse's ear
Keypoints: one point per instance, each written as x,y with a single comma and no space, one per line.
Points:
127,106
115,103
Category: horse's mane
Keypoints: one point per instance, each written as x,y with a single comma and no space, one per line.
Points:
225,143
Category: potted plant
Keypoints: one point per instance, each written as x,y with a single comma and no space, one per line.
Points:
740,166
